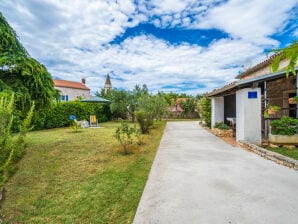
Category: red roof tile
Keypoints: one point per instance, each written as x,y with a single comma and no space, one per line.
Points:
70,84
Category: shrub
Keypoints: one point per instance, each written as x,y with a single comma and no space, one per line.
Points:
140,137
126,135
144,121
205,110
11,149
284,126
76,127
221,125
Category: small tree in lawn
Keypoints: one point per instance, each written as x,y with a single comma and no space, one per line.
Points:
125,135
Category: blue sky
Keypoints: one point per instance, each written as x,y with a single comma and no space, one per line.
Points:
172,45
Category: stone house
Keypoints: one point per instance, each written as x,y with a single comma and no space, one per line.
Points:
70,90
244,101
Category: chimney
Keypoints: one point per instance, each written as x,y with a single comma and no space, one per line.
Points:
84,81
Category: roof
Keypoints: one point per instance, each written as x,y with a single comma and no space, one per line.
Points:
96,99
227,89
223,89
270,76
70,84
257,66
176,108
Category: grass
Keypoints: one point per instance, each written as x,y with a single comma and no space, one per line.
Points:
292,153
68,177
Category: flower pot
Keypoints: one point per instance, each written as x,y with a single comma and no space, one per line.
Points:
292,101
272,111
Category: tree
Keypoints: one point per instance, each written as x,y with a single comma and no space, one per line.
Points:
22,74
189,105
290,53
205,110
120,102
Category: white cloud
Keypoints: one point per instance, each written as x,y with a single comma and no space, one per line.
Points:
251,20
72,39
146,59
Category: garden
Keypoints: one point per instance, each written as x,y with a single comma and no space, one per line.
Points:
79,177
52,170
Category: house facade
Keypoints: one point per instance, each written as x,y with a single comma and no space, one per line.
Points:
245,101
70,90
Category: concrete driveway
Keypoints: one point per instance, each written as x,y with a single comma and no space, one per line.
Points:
198,178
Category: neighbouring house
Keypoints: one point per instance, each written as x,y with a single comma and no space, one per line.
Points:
244,101
176,111
70,90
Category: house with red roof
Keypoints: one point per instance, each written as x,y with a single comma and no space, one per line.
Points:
70,90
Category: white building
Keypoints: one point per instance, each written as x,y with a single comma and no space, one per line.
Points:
70,90
245,100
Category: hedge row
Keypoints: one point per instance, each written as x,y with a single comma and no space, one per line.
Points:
59,114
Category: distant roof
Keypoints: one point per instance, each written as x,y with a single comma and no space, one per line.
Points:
96,99
176,108
70,84
257,66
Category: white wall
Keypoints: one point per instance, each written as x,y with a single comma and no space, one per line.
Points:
217,110
73,93
248,116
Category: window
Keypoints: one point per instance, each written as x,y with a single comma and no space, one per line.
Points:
64,98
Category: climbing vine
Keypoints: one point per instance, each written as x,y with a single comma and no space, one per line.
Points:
22,74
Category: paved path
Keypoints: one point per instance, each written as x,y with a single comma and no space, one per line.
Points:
198,178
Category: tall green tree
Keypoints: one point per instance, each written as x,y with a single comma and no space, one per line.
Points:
205,110
189,105
21,73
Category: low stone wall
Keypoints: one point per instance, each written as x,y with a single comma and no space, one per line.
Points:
280,159
222,133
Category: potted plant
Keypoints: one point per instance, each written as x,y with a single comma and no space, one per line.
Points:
293,100
283,131
271,110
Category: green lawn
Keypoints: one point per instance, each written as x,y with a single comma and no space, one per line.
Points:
292,153
68,177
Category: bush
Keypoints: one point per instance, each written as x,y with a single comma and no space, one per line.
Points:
76,127
58,115
284,126
144,121
222,126
126,135
205,110
11,149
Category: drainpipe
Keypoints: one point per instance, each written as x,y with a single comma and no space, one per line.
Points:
265,105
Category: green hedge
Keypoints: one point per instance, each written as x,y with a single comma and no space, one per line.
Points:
58,115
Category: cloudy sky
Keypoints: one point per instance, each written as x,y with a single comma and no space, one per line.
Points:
190,46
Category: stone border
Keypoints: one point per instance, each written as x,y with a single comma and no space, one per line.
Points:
275,157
